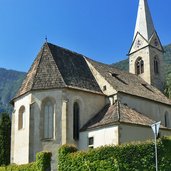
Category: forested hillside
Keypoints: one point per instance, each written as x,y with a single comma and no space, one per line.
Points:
10,81
123,65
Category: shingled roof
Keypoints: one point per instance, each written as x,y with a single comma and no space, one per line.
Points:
126,82
56,67
117,113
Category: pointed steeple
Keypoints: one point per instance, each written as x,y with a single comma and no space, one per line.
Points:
146,52
144,24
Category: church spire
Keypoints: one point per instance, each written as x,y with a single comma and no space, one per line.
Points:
144,24
146,52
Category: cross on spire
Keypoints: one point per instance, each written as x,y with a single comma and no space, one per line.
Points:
46,38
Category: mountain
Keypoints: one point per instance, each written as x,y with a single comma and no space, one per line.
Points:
10,81
124,64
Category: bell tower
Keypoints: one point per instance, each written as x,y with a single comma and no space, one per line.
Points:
146,52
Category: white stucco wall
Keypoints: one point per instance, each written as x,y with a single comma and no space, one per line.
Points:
129,133
144,54
109,90
38,98
150,108
89,103
29,141
37,140
102,136
20,143
147,54
118,134
157,80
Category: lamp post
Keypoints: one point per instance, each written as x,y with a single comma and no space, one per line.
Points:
155,127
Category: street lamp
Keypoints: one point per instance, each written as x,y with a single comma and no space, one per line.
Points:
155,127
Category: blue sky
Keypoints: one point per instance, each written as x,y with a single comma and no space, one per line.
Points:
99,29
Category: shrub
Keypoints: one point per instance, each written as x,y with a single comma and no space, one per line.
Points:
128,157
42,163
24,167
43,160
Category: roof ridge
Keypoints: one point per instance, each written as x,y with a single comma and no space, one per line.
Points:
134,83
53,58
66,49
85,57
111,66
38,64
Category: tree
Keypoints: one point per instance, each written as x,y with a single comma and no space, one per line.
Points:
5,139
167,89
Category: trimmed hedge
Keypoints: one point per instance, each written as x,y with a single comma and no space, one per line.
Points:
43,160
129,157
42,164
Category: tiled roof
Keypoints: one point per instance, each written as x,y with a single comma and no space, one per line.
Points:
117,113
74,69
125,82
56,67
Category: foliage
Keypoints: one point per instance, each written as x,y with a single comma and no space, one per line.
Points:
24,167
42,164
5,139
9,84
122,65
167,90
129,157
43,160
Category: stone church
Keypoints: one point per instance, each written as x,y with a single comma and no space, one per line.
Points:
67,98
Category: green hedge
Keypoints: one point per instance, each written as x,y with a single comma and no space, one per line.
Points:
43,160
42,164
130,157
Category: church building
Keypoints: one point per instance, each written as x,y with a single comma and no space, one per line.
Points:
67,98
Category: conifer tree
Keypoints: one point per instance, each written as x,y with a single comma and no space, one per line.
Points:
5,139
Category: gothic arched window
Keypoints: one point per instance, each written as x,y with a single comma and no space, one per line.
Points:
156,65
76,118
48,113
139,66
166,119
21,118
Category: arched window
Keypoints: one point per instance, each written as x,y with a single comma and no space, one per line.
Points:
139,66
166,119
48,113
156,65
76,118
21,118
